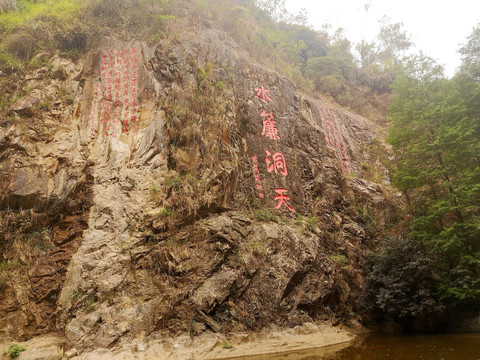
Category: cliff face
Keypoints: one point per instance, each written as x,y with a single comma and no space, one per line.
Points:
179,188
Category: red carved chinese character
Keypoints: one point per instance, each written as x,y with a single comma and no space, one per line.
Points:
262,94
269,126
278,163
257,177
282,199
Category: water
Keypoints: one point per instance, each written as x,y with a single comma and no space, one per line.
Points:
463,346
458,346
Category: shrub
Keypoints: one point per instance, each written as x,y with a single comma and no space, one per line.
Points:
226,344
311,222
14,350
90,304
164,212
42,25
339,259
147,18
9,62
331,84
266,215
22,45
174,181
400,280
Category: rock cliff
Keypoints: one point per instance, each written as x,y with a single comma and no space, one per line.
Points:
180,188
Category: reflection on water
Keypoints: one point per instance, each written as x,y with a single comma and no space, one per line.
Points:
310,354
464,346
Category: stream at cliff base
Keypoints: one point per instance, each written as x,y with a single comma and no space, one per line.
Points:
457,346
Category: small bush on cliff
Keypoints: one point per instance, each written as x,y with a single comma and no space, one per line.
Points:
14,350
311,223
266,215
226,344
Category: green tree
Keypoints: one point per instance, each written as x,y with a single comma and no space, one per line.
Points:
471,55
367,53
400,280
433,135
393,43
278,12
332,72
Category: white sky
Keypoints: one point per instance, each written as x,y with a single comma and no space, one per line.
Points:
438,28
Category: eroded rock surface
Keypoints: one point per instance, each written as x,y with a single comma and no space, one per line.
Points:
164,223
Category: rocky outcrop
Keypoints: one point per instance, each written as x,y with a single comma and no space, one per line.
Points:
213,195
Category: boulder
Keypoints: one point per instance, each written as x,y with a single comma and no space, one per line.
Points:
27,102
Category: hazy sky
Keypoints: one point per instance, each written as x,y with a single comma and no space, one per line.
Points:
436,27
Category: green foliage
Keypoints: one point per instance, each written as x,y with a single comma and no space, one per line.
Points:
139,18
339,259
44,106
37,25
3,265
90,304
3,274
39,62
39,241
10,62
14,350
174,181
435,136
393,43
299,220
265,215
66,26
400,280
77,294
471,55
31,10
62,94
363,215
309,223
164,212
226,344
314,59
257,247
